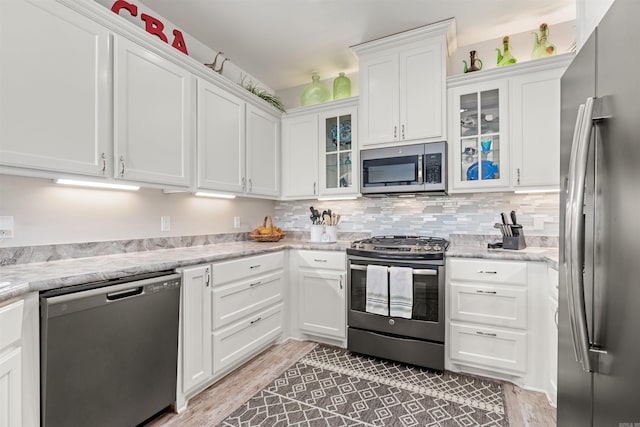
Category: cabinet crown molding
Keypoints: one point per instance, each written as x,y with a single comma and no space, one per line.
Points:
445,28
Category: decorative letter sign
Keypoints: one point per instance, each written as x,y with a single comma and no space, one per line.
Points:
152,25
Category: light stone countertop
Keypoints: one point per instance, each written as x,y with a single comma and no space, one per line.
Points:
548,255
20,279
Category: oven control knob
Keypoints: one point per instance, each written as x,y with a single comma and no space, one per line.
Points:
392,322
437,248
361,246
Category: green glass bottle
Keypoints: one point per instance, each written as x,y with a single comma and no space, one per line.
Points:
541,47
315,92
341,87
505,58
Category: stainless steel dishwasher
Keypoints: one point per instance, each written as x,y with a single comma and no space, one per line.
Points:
109,350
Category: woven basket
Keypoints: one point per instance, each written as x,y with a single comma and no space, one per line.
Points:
274,235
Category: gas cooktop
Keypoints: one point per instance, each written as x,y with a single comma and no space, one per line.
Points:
400,247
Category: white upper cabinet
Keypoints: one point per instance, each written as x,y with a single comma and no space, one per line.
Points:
479,146
263,153
534,101
221,137
55,89
320,151
504,125
154,103
300,157
403,86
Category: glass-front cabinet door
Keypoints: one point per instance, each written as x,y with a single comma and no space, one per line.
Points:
479,130
338,153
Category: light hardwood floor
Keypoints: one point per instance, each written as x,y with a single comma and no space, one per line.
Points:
524,408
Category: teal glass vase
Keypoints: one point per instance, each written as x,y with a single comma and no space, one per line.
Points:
315,92
341,87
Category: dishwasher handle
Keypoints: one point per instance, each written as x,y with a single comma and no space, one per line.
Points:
113,296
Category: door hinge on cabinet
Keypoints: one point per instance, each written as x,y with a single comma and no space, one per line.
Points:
121,165
104,163
518,172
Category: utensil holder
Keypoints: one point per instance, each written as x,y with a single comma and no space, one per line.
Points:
515,242
316,233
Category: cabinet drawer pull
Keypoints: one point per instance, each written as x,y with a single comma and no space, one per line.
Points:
253,322
487,272
486,334
480,291
255,266
319,260
255,284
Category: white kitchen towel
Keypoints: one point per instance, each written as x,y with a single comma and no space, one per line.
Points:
377,290
401,292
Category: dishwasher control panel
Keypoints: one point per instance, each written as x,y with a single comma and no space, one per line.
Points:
164,286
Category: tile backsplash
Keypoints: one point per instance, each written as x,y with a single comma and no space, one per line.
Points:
429,215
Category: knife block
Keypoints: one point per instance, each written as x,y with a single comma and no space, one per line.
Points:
515,242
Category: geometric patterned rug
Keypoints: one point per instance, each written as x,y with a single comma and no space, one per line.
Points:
333,387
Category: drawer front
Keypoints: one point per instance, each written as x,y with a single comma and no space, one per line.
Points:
236,300
11,324
482,270
488,347
238,269
328,260
239,341
492,305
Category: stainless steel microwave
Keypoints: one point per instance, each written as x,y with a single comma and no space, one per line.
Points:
404,169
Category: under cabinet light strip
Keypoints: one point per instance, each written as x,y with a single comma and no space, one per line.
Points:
215,195
322,199
536,191
93,184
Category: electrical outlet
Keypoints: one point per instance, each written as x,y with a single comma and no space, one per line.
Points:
6,227
165,223
236,222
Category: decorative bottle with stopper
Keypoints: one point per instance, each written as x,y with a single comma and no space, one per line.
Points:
541,47
505,58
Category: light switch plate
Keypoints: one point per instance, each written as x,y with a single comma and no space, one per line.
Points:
6,227
236,222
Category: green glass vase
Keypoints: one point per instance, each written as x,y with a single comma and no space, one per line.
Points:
315,92
341,87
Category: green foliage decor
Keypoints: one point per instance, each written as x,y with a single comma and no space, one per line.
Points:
262,93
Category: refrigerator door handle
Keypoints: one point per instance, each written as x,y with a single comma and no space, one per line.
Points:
577,236
567,230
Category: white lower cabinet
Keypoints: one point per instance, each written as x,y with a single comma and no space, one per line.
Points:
488,325
231,310
19,362
322,303
319,293
196,331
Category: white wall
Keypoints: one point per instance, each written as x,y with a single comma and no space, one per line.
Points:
47,213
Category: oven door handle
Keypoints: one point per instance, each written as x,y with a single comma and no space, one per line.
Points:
416,272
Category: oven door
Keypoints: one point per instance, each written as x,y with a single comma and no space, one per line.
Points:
427,320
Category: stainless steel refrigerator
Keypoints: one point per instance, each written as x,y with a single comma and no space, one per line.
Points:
599,307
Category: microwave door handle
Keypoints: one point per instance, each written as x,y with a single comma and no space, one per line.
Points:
420,169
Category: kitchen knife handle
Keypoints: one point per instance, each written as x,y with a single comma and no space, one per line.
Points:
513,218
504,218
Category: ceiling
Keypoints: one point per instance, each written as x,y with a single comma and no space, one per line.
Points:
281,42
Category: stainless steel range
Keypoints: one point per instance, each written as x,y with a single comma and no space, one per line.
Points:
396,299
